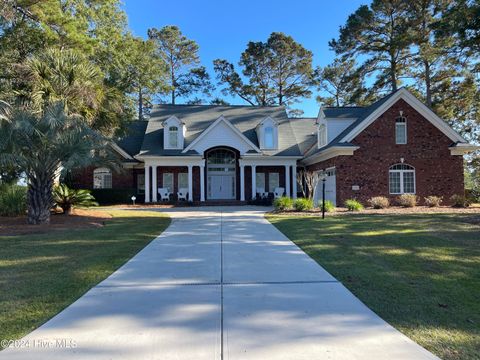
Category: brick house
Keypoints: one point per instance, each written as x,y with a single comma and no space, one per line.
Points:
220,153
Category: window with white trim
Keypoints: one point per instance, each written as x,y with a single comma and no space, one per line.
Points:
141,183
167,179
322,135
401,179
183,180
260,180
173,137
268,141
102,178
401,130
273,181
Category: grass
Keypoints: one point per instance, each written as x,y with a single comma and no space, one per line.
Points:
419,272
40,275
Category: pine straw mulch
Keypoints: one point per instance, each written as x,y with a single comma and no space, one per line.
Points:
393,210
80,219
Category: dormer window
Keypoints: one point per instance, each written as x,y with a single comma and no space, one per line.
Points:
268,138
322,135
267,133
173,137
173,133
401,130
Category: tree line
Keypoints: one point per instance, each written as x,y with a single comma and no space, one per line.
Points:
78,60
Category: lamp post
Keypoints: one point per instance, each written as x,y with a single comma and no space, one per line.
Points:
323,178
133,199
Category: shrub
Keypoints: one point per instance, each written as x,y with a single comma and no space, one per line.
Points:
67,198
283,203
459,201
353,205
379,202
329,207
433,201
303,204
13,200
407,200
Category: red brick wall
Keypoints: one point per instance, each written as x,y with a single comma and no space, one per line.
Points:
121,179
436,171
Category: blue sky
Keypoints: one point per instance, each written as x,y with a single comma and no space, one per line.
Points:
223,28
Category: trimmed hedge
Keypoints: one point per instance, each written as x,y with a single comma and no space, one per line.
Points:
116,196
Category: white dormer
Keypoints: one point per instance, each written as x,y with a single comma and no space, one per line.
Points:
322,134
173,133
267,133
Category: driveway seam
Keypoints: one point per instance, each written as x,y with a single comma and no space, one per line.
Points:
221,285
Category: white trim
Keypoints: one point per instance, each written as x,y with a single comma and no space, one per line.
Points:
405,129
266,161
421,108
167,124
462,148
121,151
402,187
207,130
330,153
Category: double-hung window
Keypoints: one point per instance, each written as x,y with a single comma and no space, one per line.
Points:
173,137
168,181
401,130
273,181
102,178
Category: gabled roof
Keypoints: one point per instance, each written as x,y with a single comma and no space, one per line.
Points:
222,119
364,116
198,118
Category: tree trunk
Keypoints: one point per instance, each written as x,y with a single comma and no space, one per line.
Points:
393,75
40,199
428,84
140,104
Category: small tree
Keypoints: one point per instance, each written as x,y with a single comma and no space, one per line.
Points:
310,179
41,144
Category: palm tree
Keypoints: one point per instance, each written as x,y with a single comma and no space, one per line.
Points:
64,76
41,143
67,198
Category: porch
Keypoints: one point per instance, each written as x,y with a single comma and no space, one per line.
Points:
221,176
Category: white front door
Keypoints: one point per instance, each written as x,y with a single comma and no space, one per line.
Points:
221,187
330,188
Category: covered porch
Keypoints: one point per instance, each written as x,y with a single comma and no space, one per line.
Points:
219,178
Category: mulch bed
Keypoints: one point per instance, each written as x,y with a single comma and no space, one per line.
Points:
394,210
80,219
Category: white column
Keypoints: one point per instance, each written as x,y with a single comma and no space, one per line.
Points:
202,183
294,179
287,180
154,183
190,183
147,184
242,182
254,182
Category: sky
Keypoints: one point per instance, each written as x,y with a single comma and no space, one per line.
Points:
222,29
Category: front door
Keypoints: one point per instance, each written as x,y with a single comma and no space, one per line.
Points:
221,187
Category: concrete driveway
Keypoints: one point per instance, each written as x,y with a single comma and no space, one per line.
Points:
219,283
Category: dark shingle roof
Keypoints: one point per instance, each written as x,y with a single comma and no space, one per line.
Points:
198,118
132,141
305,131
343,112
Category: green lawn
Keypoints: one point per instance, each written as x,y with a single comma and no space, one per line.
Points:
421,273
42,274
